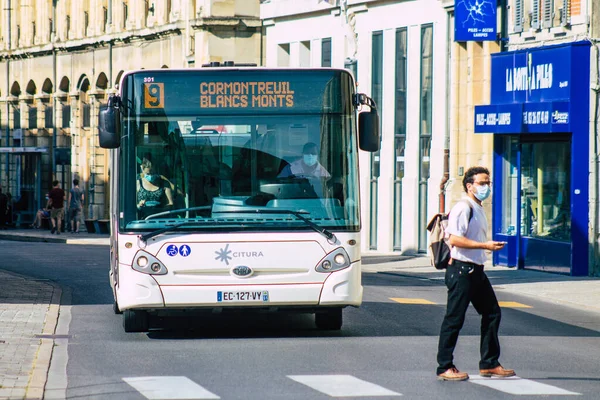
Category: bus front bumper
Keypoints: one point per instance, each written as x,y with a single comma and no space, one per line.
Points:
141,291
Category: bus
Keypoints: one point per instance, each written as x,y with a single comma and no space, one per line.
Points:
214,205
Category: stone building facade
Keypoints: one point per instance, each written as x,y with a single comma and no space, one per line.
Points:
60,59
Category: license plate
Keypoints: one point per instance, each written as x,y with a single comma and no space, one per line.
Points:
243,296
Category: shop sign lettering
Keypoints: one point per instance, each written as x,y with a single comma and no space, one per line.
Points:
492,119
536,117
559,117
531,77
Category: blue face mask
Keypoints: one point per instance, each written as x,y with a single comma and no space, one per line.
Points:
482,192
153,178
310,159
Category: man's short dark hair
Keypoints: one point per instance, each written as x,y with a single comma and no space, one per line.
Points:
54,183
470,175
309,146
75,182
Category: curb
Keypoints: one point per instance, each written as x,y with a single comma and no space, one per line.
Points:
15,237
41,364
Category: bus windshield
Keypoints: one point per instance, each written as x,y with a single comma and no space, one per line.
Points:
218,158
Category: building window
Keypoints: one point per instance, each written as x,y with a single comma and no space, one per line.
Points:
326,52
68,25
125,15
305,53
33,32
33,118
377,95
518,14
48,118
86,22
66,116
283,55
104,18
399,131
425,129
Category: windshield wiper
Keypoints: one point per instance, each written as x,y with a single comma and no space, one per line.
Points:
179,210
298,214
168,228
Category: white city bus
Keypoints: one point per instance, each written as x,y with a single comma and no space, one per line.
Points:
233,217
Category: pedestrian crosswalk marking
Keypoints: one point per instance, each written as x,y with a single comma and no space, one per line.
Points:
513,304
342,385
519,386
169,387
410,301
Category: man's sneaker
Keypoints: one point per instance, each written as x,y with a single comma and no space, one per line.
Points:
53,230
453,374
499,372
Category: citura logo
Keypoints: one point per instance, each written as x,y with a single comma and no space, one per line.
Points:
154,95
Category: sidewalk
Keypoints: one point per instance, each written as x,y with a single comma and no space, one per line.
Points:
29,308
579,292
44,235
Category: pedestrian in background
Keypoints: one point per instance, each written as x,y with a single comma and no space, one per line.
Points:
56,203
75,205
468,283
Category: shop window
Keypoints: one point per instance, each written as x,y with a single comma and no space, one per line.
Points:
545,190
510,199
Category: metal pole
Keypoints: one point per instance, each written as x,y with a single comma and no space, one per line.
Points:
110,47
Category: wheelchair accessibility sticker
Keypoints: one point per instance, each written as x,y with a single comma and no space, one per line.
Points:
172,250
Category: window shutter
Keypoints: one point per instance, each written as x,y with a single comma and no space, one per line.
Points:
565,14
535,14
518,23
548,11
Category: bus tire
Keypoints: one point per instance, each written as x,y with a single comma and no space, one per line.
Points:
116,309
330,319
135,321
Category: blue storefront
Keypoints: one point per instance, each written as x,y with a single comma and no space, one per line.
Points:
539,115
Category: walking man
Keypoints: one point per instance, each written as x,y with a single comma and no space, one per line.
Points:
56,200
468,283
75,205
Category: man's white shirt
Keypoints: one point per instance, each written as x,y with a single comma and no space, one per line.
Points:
476,229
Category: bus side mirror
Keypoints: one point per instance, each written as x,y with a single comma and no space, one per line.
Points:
109,126
368,130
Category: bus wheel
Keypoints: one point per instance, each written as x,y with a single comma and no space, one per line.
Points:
135,321
330,319
116,308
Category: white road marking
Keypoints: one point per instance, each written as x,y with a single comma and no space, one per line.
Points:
342,385
519,386
169,387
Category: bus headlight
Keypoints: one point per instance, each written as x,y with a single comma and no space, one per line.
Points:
334,261
148,264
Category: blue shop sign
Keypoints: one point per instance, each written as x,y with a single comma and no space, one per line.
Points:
474,20
537,74
523,118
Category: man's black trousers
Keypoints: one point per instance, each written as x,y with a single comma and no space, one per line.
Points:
467,283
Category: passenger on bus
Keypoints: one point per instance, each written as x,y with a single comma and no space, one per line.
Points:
306,167
153,191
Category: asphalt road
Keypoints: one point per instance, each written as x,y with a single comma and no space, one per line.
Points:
385,350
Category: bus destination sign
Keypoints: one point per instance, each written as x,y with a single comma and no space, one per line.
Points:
246,94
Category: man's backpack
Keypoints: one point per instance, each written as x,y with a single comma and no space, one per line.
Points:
439,249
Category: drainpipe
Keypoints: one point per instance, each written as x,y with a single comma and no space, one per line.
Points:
54,74
110,47
9,40
446,172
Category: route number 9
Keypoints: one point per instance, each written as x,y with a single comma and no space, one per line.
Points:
154,95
